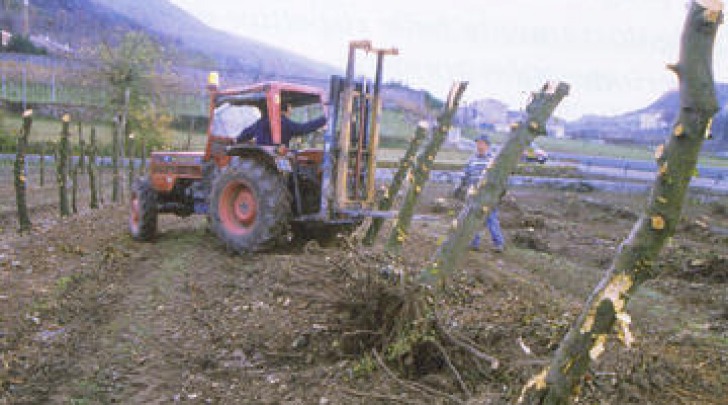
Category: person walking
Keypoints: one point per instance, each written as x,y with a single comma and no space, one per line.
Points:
473,173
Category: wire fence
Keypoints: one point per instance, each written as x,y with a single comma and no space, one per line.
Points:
44,80
77,81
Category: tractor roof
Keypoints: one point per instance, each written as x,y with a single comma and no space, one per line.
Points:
255,94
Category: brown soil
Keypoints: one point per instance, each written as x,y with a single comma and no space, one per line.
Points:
87,316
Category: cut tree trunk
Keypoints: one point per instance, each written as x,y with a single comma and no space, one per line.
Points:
405,168
118,150
634,262
130,161
82,149
42,164
62,167
486,195
115,177
74,189
143,152
20,173
94,201
123,136
421,172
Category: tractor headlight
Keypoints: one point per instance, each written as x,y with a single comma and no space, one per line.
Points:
213,80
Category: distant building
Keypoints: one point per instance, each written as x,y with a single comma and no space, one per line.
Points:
652,120
44,41
453,135
556,129
6,37
485,113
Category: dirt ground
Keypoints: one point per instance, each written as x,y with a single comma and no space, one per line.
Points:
88,316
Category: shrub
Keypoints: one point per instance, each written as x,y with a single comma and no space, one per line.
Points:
21,44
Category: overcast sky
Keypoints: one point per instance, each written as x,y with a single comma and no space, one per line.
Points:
612,52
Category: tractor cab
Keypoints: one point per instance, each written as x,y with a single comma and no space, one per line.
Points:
233,110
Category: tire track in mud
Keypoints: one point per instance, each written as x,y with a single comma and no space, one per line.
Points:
142,347
103,312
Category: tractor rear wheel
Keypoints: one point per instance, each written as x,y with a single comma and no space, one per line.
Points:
143,211
250,207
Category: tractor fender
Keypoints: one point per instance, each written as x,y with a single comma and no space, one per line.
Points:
264,154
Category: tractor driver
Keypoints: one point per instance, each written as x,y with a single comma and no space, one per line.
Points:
260,129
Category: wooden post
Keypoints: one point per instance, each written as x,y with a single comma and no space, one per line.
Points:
100,185
634,262
61,166
74,189
487,194
189,134
91,169
143,152
115,179
123,135
20,173
131,162
42,164
421,172
82,149
405,169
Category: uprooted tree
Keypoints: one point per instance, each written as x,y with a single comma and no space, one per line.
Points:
559,382
401,316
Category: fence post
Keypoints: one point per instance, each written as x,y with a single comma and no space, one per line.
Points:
91,170
115,162
143,169
74,189
53,85
82,149
20,173
122,131
61,166
25,86
42,163
130,161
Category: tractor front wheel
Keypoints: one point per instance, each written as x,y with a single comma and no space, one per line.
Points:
250,207
143,211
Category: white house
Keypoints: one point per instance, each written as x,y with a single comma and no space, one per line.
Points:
6,36
652,120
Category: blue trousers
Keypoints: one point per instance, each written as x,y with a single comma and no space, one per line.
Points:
493,225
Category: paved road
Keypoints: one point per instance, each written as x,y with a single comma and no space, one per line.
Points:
714,179
632,165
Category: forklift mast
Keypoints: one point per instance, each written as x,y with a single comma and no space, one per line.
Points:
352,140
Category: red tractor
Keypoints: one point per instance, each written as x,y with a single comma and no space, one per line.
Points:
256,196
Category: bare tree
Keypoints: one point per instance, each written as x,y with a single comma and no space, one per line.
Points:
20,173
62,166
634,262
421,171
91,168
406,164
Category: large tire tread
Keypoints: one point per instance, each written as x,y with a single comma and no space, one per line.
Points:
145,229
273,207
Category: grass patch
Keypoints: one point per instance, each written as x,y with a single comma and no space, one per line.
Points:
49,130
393,151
